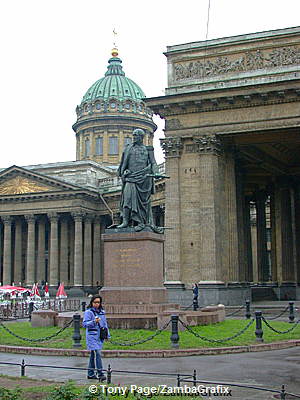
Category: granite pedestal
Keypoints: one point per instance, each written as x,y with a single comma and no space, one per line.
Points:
133,268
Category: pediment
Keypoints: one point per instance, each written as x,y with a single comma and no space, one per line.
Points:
16,181
21,185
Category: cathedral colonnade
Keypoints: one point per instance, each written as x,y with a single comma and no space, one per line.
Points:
230,234
52,247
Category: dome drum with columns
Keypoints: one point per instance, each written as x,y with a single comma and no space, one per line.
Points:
111,108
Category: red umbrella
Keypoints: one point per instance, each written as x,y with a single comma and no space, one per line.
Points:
61,294
9,289
46,290
35,291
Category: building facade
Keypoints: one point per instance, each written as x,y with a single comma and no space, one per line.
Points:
52,215
232,145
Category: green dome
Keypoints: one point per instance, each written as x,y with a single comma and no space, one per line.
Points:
114,85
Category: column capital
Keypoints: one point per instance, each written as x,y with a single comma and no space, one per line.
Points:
97,219
7,219
89,217
30,218
53,216
78,215
208,144
172,146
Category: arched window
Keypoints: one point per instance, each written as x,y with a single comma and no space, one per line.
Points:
99,146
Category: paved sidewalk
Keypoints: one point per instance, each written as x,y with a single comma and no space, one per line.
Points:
264,369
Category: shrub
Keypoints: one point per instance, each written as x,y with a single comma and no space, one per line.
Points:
65,392
10,394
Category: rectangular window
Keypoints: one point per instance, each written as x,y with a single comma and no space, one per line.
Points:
99,146
113,145
127,140
87,149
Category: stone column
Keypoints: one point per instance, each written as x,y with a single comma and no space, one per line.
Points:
88,242
53,265
212,222
273,236
97,266
294,226
236,270
64,247
284,234
173,148
253,232
41,264
78,250
261,230
30,256
7,259
248,242
71,251
18,251
1,249
297,230
241,226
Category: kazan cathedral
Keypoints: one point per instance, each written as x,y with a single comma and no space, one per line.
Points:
52,215
232,150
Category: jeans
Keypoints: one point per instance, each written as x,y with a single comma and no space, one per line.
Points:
95,362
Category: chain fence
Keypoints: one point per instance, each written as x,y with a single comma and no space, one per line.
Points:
174,339
235,312
44,339
279,315
280,332
131,343
216,340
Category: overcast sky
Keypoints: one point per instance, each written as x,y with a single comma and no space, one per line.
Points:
52,51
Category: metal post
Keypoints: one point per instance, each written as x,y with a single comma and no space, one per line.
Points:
258,331
83,305
30,310
178,380
195,304
195,378
282,393
109,372
248,312
76,336
23,368
292,315
174,337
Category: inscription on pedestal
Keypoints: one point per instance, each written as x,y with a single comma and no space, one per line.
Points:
128,257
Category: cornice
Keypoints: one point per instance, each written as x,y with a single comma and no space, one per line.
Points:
113,120
208,104
48,196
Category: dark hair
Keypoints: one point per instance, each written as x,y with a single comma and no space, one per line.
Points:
96,296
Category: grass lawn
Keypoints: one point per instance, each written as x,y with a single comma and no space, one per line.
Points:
187,340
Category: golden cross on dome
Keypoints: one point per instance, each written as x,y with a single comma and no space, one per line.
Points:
115,37
115,52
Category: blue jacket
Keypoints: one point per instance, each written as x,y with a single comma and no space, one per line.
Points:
93,341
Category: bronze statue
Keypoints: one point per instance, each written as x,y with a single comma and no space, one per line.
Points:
137,169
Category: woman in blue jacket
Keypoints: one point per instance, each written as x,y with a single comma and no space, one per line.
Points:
94,319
